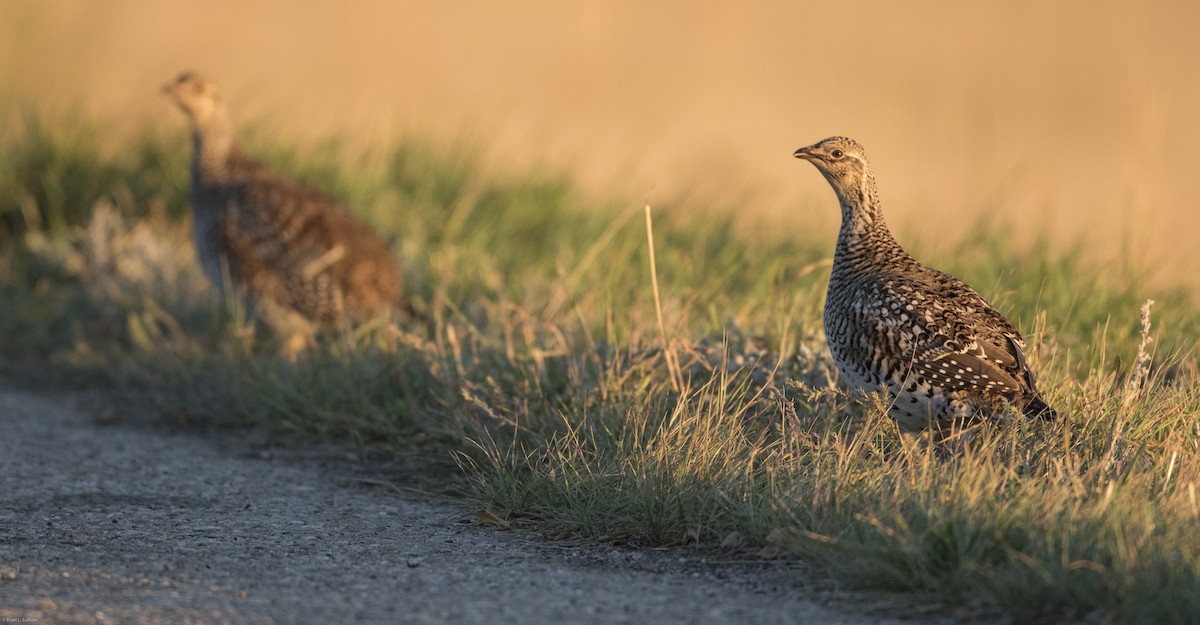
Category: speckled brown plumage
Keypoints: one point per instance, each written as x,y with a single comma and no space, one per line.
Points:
299,257
944,354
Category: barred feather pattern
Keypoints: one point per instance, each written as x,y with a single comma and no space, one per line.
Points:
942,352
298,256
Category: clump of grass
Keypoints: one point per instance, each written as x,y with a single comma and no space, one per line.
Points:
584,392
1095,512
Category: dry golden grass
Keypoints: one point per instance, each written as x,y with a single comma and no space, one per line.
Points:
545,372
1074,121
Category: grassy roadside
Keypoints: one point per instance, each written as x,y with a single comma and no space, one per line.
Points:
548,380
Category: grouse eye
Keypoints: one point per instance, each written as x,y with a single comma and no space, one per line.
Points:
837,153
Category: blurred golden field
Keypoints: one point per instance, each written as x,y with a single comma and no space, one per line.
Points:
1063,119
561,382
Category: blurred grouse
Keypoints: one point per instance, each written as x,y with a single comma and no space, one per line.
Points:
944,354
298,257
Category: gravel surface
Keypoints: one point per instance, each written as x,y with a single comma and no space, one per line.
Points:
121,524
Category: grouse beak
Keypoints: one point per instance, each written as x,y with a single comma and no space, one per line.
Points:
803,153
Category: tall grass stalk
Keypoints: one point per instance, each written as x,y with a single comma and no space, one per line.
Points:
669,354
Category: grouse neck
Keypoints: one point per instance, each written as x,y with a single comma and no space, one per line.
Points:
213,143
864,234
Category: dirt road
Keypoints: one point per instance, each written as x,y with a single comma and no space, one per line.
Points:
121,524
